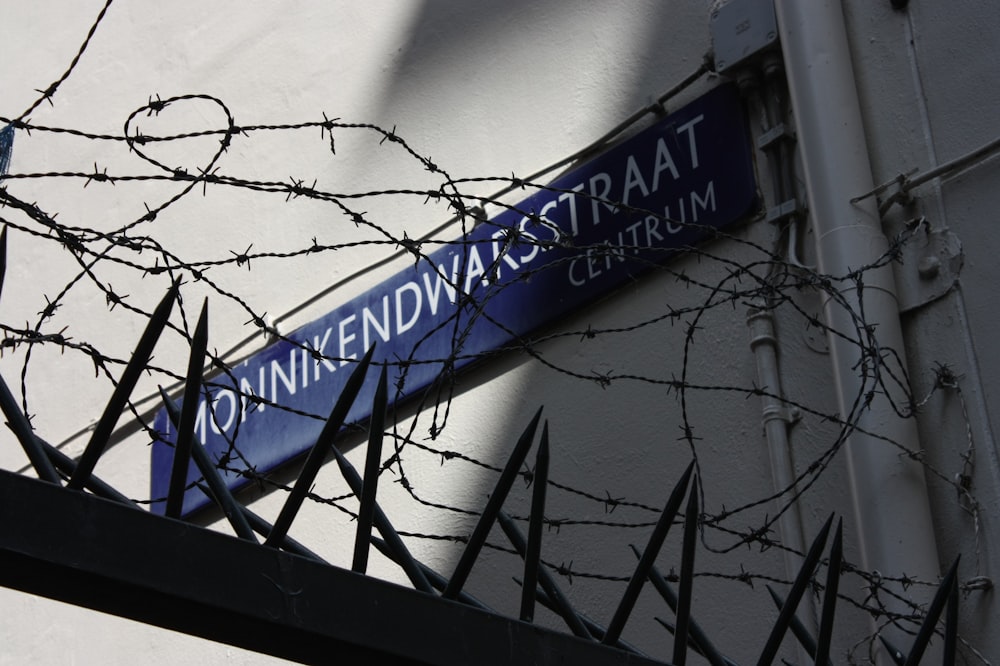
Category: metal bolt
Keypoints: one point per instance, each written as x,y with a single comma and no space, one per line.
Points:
929,267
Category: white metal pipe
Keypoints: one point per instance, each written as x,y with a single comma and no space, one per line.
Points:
892,509
775,417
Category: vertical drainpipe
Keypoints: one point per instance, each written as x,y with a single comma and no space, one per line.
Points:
776,418
891,506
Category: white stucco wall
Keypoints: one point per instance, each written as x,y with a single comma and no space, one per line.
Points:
484,90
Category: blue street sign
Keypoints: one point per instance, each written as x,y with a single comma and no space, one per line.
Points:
589,232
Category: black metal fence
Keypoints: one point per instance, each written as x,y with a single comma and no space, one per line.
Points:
538,585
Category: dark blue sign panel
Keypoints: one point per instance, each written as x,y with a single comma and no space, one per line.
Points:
590,231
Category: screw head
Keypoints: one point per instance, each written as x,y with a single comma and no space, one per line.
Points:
929,267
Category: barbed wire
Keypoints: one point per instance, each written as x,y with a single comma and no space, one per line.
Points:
138,249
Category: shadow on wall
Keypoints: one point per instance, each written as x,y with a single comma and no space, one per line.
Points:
531,82
616,449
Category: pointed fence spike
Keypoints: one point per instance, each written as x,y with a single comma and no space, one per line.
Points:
596,630
787,613
489,515
263,528
533,552
173,411
895,653
127,381
19,424
694,646
822,655
288,544
697,636
402,555
373,464
672,630
438,581
6,147
933,613
3,256
687,577
317,454
189,415
648,557
951,625
562,604
217,490
799,630
95,485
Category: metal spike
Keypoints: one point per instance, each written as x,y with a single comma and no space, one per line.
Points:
648,557
697,636
672,630
433,577
319,450
189,414
794,596
67,466
562,604
694,646
489,515
263,528
19,424
933,613
596,630
373,463
895,653
3,256
217,489
288,544
533,551
799,630
140,358
822,655
385,528
687,577
951,625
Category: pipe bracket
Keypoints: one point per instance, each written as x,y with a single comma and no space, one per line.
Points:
783,211
928,268
790,415
780,132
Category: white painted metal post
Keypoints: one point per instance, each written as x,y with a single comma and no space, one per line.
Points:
890,494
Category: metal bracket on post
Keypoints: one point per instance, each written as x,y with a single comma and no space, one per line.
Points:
783,211
928,267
